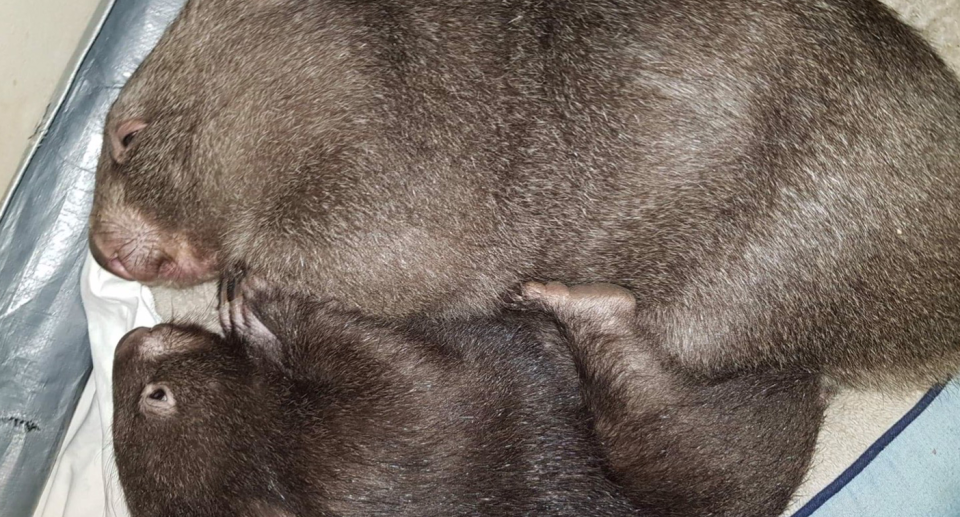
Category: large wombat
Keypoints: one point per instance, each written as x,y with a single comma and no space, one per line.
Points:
306,409
776,179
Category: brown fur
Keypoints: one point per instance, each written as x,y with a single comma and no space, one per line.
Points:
306,409
678,444
775,179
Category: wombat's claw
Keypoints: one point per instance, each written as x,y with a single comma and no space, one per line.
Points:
236,313
227,288
232,317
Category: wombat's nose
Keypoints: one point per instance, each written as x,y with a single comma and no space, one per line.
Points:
131,341
145,343
107,257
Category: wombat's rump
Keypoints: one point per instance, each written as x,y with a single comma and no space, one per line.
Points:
306,409
775,179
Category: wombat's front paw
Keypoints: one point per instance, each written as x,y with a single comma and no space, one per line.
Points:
598,300
237,315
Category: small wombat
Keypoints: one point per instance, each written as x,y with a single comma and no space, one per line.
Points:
777,180
308,409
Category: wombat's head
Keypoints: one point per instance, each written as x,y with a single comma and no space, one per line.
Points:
190,411
216,132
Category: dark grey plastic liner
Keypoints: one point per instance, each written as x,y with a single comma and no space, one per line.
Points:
44,351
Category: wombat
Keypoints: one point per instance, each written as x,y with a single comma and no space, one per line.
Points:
308,409
776,180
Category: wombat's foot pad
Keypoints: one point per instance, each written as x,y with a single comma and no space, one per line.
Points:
237,315
596,301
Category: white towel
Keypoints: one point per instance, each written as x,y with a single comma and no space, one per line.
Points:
83,482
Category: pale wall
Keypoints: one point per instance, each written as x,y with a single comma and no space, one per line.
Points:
39,43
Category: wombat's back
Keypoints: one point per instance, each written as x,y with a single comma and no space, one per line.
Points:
774,179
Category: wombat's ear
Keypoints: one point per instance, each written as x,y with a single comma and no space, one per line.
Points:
122,138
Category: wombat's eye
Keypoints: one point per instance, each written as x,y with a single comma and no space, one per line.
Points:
157,400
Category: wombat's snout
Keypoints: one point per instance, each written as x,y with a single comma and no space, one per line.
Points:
143,342
132,248
107,257
131,341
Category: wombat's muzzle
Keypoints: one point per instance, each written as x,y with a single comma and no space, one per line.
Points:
131,341
111,263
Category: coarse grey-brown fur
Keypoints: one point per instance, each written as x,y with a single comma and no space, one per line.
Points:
776,180
307,409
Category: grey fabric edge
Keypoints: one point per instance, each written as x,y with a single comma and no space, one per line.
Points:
44,348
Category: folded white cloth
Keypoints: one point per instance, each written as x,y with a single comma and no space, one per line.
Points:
84,482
